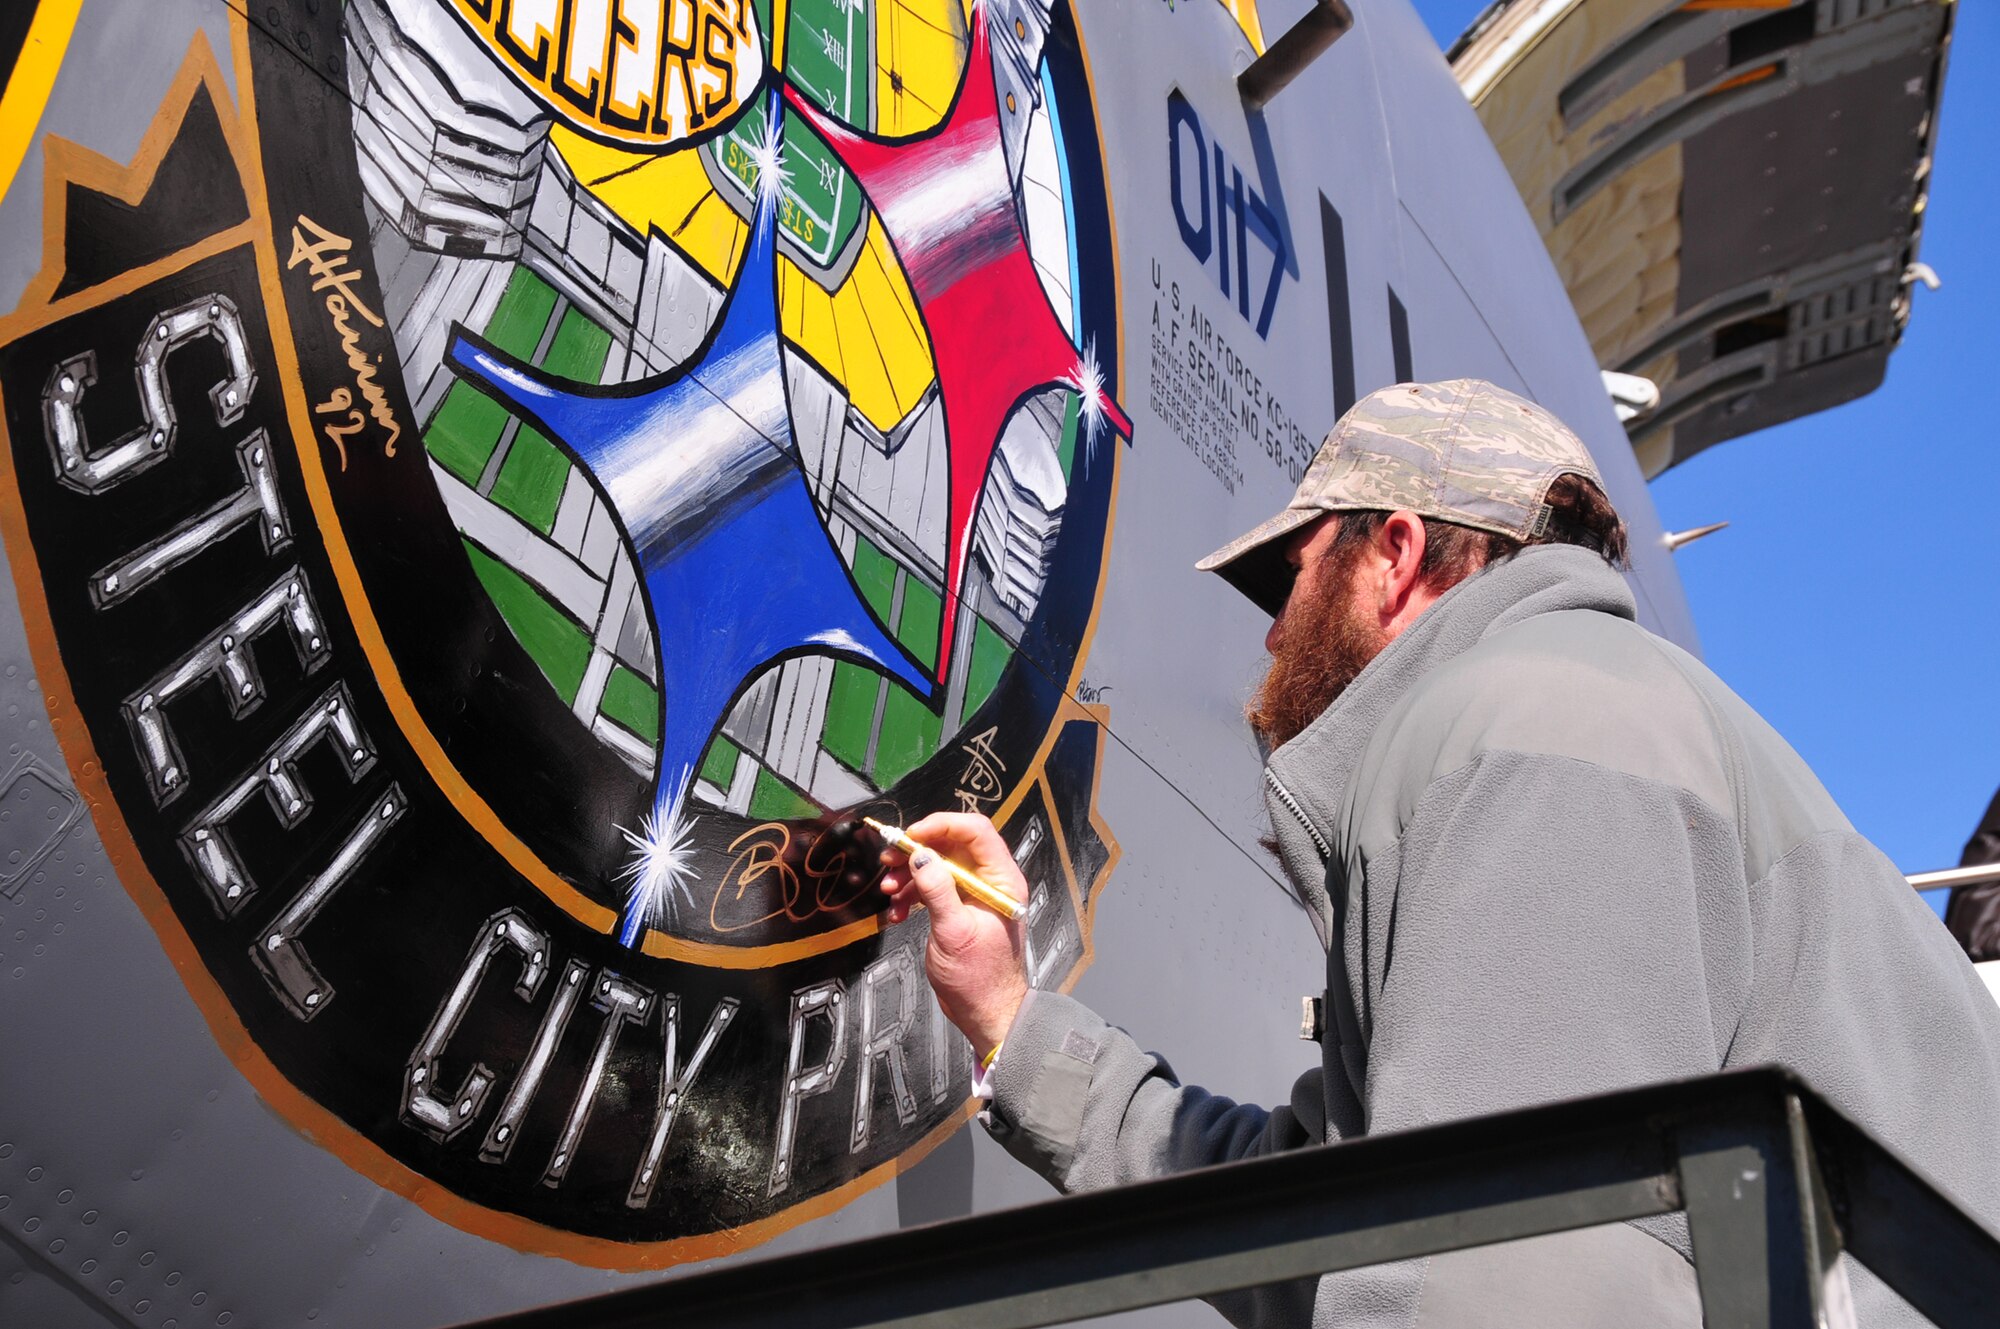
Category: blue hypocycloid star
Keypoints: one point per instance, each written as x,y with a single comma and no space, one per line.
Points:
700,468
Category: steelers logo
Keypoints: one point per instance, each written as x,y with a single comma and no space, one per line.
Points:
507,486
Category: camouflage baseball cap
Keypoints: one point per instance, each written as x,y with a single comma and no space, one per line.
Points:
1463,451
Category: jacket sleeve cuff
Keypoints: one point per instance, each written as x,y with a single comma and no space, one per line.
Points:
1040,1082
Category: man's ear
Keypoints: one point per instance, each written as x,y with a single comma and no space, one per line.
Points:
1399,549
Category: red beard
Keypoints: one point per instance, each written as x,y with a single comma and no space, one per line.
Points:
1326,641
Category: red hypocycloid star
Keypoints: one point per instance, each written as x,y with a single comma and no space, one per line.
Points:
947,207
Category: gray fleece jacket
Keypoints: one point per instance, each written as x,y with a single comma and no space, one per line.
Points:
1550,854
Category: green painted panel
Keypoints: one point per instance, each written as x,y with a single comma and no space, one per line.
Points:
850,713
718,767
918,630
828,59
821,204
464,431
522,315
531,480
579,348
733,149
634,703
990,653
1066,445
771,799
557,644
875,574
909,734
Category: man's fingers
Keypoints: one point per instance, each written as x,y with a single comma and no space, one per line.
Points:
925,875
965,834
921,879
903,894
934,884
974,843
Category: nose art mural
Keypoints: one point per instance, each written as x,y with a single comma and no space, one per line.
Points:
497,490
701,474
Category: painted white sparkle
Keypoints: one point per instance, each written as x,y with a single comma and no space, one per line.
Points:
662,863
1087,381
768,156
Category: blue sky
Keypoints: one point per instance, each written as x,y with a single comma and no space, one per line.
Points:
1853,599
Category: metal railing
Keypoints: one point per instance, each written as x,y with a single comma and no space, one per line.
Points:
1775,1183
1976,875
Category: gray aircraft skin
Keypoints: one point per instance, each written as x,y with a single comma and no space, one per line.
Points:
187,1140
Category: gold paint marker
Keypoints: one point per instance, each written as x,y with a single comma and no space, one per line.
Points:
991,896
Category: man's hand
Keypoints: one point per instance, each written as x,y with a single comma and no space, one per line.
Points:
976,959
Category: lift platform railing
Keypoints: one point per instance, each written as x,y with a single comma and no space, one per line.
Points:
1977,874
1775,1183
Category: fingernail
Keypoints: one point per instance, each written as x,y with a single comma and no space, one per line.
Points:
922,859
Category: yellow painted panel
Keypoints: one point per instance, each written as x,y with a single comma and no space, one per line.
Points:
592,161
877,251
713,236
806,316
919,55
866,334
868,384
664,191
893,313
1245,14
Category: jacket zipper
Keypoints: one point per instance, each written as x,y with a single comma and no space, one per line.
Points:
1285,797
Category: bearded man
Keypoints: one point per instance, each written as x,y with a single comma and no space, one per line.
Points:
1548,853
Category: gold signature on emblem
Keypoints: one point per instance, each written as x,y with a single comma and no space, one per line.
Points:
340,399
979,785
325,256
819,881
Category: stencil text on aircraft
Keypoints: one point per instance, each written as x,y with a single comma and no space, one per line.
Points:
1211,396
